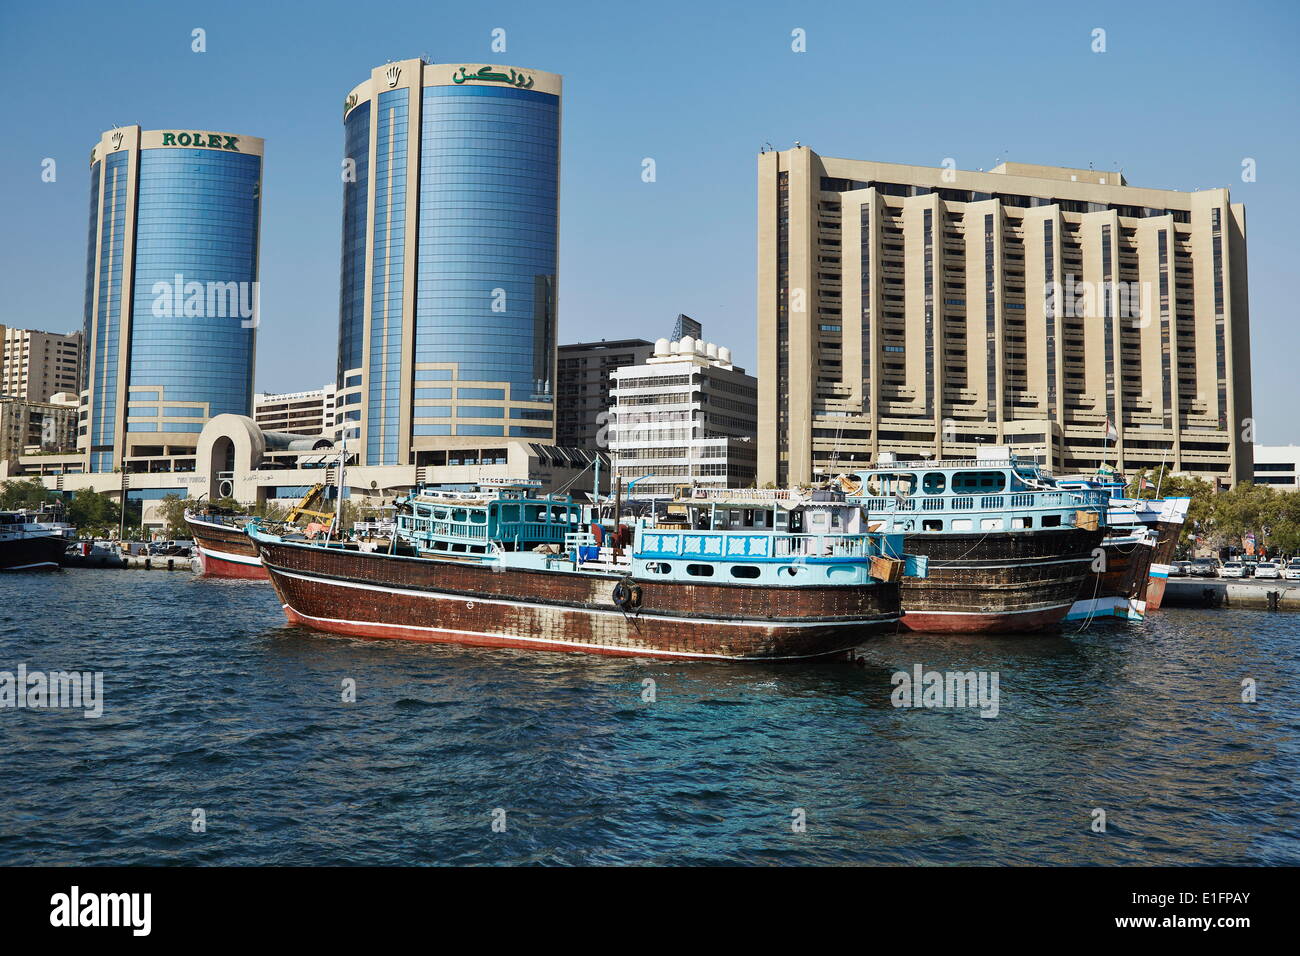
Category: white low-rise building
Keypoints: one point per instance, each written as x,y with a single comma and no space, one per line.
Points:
685,416
303,413
1278,466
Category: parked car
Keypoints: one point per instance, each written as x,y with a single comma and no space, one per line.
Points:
1180,569
169,548
1251,561
1292,571
1204,567
1233,569
1268,569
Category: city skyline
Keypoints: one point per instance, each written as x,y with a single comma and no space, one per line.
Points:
635,252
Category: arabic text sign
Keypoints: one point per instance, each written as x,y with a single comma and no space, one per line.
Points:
488,75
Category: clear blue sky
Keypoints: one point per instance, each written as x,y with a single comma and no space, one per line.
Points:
1184,92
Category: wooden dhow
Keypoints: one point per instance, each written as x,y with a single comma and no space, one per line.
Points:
746,587
1141,535
223,549
1007,549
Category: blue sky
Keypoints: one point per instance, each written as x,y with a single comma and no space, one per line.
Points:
1183,93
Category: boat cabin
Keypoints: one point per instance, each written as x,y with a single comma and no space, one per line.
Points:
495,516
818,512
27,523
993,492
777,538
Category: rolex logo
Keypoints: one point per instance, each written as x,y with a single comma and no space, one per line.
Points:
117,140
393,73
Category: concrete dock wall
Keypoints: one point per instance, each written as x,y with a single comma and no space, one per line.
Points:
1212,592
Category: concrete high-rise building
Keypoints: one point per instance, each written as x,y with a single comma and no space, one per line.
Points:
302,413
447,311
583,386
685,416
926,311
32,427
35,365
171,291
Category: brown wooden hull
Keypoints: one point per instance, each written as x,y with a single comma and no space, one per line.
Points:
423,599
1120,588
997,582
225,551
1167,533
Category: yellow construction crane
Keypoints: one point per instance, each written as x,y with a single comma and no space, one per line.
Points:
304,507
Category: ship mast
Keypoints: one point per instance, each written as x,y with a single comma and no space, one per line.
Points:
338,505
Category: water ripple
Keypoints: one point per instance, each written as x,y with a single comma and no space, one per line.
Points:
213,703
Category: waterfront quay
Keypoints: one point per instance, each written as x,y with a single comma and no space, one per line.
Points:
1224,593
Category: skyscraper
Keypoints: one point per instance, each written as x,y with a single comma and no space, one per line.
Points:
447,311
1064,312
171,290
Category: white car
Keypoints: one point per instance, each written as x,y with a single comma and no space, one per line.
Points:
1268,569
1233,569
1292,571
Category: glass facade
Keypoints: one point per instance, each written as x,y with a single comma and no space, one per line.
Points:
108,324
483,259
352,288
485,279
189,343
387,279
197,217
91,238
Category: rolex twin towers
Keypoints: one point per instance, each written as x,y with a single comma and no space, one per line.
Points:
447,305
923,311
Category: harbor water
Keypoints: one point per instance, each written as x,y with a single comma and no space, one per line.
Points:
226,738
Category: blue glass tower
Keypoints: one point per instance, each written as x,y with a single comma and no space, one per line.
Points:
171,292
447,309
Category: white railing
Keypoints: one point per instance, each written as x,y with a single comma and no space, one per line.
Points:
824,546
378,529
1017,501
741,494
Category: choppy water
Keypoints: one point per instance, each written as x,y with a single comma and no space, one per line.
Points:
213,702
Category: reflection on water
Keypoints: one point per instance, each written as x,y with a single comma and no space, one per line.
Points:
213,702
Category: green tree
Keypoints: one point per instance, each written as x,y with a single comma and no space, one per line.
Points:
93,514
27,493
172,508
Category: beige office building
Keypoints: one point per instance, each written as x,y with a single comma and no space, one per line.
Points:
926,311
35,365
